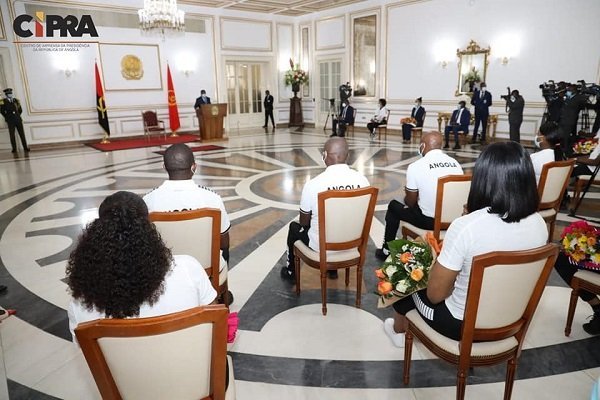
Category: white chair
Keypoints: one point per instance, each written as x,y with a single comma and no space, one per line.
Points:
175,356
452,194
582,280
345,218
554,179
504,291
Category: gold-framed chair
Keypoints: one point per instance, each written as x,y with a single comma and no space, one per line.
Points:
345,218
494,323
181,355
196,233
417,131
554,179
582,280
153,125
452,194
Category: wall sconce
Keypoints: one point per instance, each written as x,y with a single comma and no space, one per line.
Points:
504,60
69,71
444,63
187,72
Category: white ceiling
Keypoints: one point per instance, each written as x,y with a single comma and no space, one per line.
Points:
293,8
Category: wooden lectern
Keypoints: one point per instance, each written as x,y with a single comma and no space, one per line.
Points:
210,121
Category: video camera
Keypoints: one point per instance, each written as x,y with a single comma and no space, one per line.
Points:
552,91
506,96
590,89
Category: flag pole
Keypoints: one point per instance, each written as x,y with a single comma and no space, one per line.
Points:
105,139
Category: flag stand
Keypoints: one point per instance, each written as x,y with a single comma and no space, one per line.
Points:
173,134
105,139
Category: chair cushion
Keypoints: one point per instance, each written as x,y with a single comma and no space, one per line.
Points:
588,276
547,213
479,349
420,231
332,256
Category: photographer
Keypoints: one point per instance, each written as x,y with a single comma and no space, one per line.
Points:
514,107
574,102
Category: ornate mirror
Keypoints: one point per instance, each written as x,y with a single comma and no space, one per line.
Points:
472,67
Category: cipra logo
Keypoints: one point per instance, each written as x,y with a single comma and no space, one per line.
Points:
48,25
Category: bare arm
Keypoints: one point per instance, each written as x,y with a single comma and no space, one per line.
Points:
225,245
441,283
411,197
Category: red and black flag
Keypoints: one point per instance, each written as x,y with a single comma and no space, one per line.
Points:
101,104
172,101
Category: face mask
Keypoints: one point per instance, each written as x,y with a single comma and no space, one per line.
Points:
10,96
537,141
417,105
459,107
420,150
513,98
343,104
203,96
483,88
569,93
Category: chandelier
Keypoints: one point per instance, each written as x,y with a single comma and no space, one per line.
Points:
161,15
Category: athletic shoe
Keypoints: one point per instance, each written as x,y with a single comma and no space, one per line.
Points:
288,275
396,338
382,254
593,327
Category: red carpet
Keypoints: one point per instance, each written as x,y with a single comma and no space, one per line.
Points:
126,144
207,147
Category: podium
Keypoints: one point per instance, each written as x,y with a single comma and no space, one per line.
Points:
210,121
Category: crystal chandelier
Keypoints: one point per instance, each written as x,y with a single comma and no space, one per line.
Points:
161,16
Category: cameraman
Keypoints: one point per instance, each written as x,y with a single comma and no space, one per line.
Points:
514,106
574,102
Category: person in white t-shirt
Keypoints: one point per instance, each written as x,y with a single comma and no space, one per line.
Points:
421,190
380,118
548,141
122,269
337,176
501,216
180,193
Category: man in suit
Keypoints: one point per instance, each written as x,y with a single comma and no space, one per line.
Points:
418,113
346,118
573,103
11,110
268,104
203,99
459,121
515,105
482,100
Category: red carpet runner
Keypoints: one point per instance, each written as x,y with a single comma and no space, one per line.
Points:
126,144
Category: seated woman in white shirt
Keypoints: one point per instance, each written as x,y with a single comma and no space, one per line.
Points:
122,269
378,119
548,141
501,216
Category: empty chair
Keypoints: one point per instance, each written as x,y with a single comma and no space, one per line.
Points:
153,125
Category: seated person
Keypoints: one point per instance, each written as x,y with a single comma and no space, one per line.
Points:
503,200
346,118
548,141
122,269
418,114
337,176
459,121
380,118
420,191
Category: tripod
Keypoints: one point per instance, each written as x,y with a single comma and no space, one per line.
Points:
333,114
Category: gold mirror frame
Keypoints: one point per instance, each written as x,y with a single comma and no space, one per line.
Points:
472,61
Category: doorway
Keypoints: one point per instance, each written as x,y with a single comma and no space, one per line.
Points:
329,83
245,93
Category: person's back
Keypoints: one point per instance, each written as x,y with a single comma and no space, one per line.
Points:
548,142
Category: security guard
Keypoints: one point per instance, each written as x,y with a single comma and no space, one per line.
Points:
11,110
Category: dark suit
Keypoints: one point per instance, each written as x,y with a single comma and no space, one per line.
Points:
11,111
268,104
346,118
419,115
515,117
455,125
568,120
482,103
200,101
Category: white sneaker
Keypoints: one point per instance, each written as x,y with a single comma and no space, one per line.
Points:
396,338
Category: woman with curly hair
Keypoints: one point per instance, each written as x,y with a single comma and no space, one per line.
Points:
122,269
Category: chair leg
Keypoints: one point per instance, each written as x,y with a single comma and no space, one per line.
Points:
297,270
572,305
511,368
323,292
461,381
408,343
347,276
551,230
358,286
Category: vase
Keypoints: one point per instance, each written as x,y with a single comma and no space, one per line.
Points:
295,88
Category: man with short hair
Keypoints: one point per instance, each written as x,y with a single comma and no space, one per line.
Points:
420,190
268,104
203,99
346,118
11,110
482,100
180,193
459,122
337,176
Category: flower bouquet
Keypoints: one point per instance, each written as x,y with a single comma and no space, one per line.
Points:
406,270
580,243
295,76
585,146
409,120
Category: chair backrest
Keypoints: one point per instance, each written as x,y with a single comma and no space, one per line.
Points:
345,218
504,290
193,232
150,118
353,117
387,118
553,183
174,356
452,195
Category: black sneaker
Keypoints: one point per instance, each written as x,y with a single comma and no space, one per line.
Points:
381,254
332,274
456,147
288,275
593,327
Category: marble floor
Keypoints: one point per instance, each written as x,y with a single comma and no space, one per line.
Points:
285,348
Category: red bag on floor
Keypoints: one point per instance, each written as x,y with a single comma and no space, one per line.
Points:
232,326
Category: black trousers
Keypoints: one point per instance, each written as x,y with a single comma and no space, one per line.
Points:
372,125
454,129
397,212
11,131
480,118
566,270
296,232
515,129
269,113
406,131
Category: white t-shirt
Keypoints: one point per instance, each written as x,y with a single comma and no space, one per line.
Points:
422,176
381,114
185,195
481,232
186,286
538,160
335,177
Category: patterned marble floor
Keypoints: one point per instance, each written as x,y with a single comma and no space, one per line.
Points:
285,348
